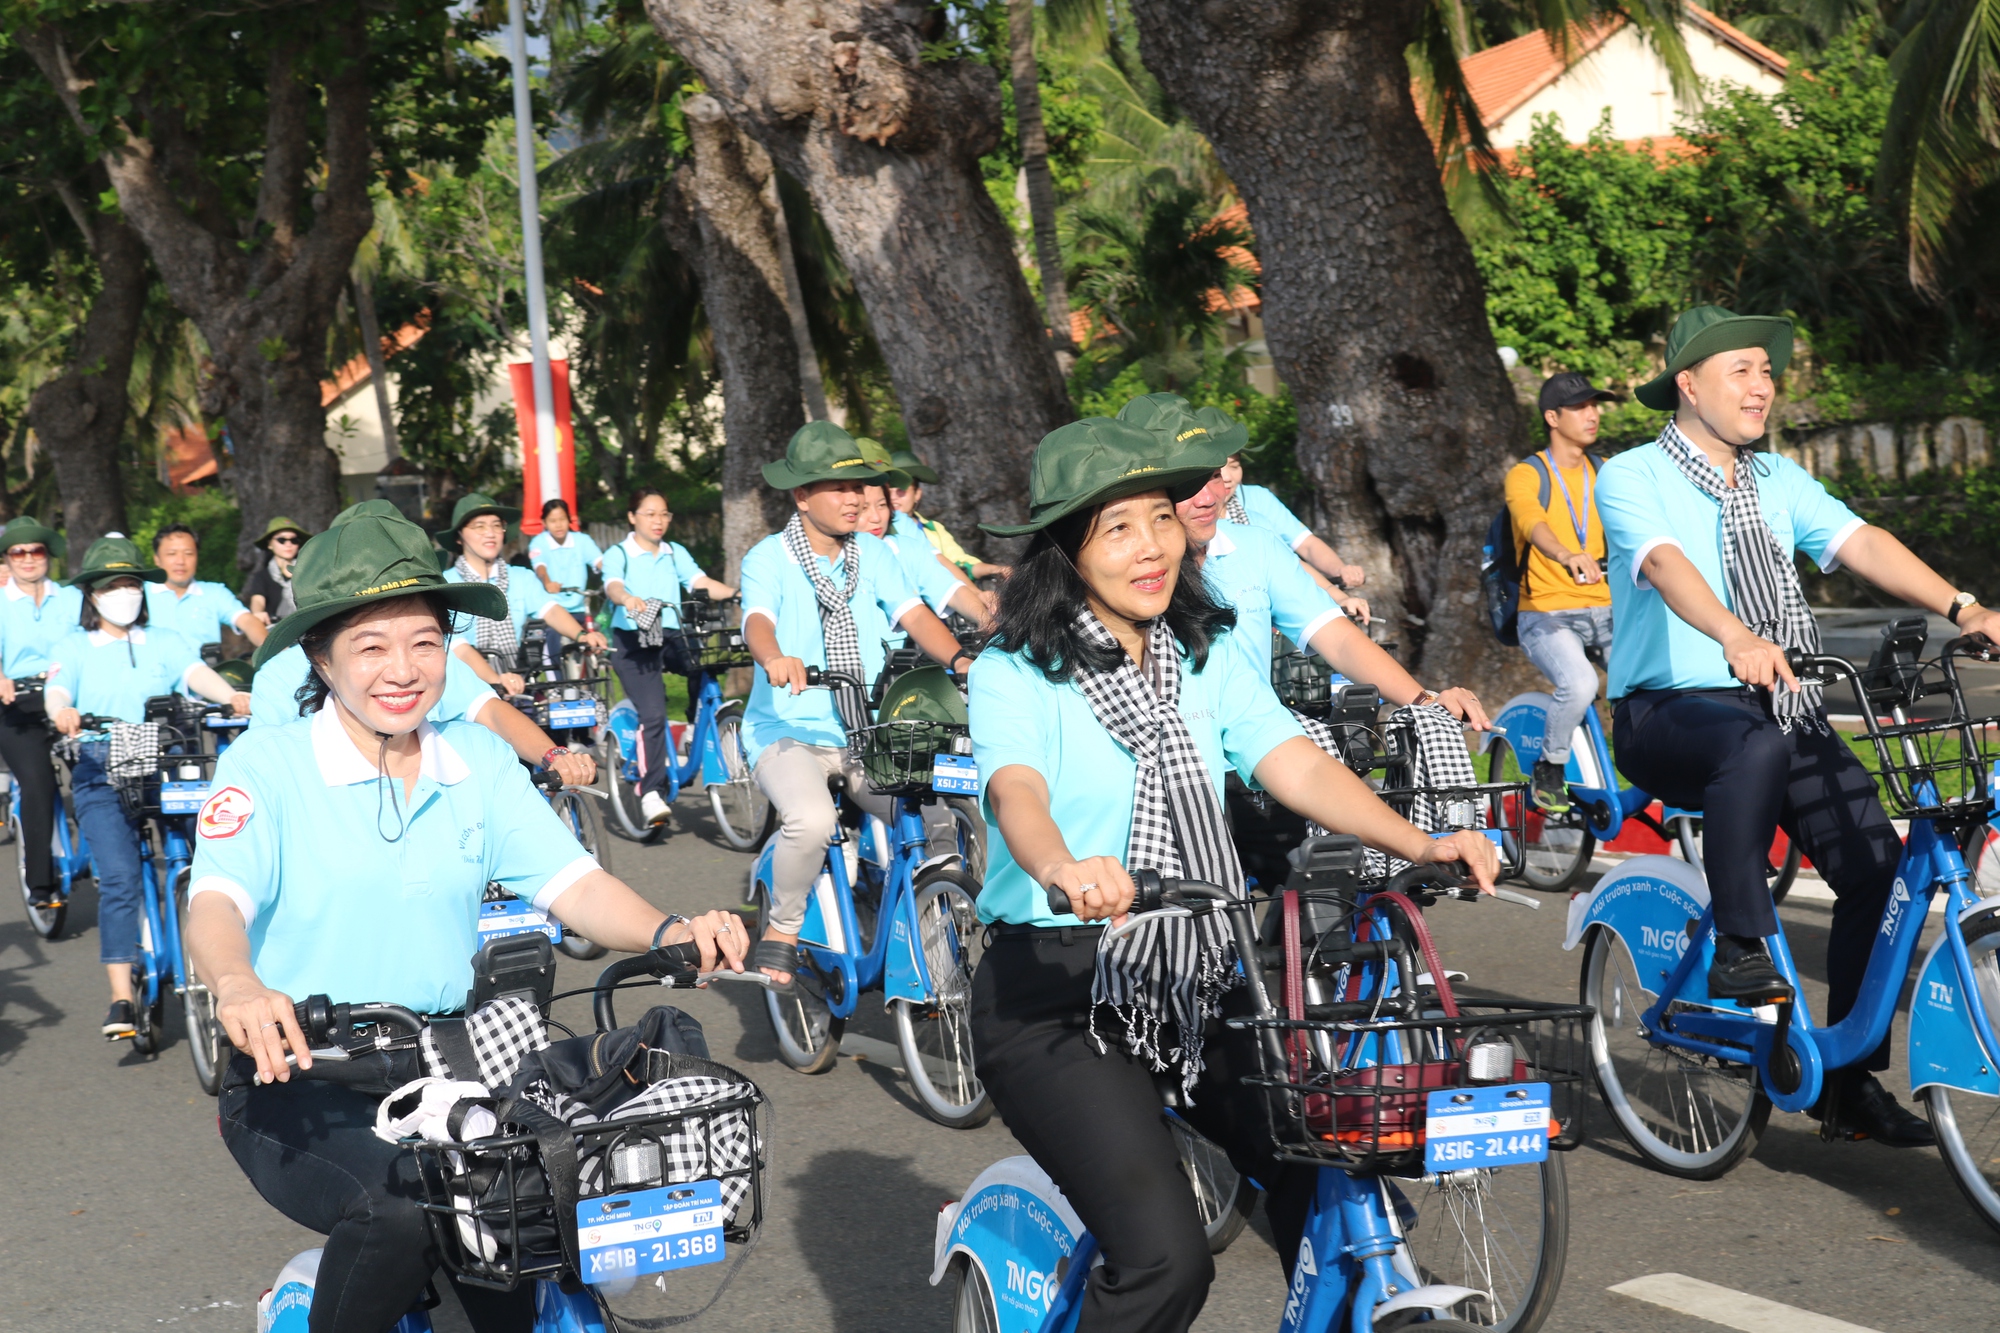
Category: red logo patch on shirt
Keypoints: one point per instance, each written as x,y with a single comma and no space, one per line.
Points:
225,813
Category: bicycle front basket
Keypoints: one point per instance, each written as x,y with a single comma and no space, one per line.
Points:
713,644
897,757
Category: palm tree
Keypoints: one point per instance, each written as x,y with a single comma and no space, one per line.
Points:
1943,141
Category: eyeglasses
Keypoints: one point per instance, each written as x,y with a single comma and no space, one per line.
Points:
27,552
486,527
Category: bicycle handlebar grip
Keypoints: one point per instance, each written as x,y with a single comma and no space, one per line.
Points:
1058,900
1447,874
814,678
548,779
315,1018
672,960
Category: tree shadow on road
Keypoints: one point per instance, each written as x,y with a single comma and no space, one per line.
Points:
22,1007
866,1223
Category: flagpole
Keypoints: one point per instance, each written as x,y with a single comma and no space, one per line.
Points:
547,445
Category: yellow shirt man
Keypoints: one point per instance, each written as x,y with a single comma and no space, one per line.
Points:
1547,585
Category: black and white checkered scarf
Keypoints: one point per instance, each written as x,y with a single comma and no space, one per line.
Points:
488,634
1763,582
836,618
1233,510
649,622
1169,975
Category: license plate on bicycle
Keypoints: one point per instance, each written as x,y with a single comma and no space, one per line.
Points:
182,798
511,916
1470,1128
955,774
565,713
649,1231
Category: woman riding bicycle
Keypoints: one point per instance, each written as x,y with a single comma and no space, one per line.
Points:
109,665
491,645
34,615
347,857
648,570
1105,717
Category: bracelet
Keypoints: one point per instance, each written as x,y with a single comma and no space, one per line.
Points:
673,919
554,750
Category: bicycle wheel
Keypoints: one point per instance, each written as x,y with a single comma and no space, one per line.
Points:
1222,1197
972,1300
1503,1231
936,1036
1558,848
149,1021
742,811
45,921
579,815
1968,1125
626,819
1690,1116
808,1034
204,1034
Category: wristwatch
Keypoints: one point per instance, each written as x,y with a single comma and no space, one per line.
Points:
1426,699
1958,604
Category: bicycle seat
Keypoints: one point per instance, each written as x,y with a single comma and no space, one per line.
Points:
836,785
1595,653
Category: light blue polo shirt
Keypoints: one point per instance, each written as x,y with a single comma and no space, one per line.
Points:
1266,510
926,573
297,834
272,688
777,589
29,632
114,677
1644,502
199,615
664,574
568,564
526,598
1251,569
1018,717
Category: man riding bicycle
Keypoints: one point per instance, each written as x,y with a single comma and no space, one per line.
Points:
823,594
196,609
1565,602
1701,528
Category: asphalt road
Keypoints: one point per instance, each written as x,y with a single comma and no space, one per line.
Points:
123,1212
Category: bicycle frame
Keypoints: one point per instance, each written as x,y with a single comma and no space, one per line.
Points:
69,858
703,754
1592,777
894,963
162,955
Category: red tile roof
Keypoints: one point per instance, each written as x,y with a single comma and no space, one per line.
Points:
356,371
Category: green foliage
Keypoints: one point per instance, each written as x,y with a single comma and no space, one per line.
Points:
1951,521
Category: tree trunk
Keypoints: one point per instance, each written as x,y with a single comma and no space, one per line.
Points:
811,383
888,146
263,308
80,414
719,219
1035,166
1373,310
363,292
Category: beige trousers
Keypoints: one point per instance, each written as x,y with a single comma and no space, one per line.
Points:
794,776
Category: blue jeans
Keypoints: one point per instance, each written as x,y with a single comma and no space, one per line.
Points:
1554,641
114,854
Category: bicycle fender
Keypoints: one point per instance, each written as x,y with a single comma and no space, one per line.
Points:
1943,1047
712,767
1649,902
903,974
1019,1229
1521,722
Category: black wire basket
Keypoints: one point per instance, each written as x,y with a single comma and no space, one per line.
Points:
1303,681
1939,770
897,757
493,1214
1356,1092
713,644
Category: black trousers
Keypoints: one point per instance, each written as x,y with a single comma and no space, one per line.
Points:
24,745
310,1149
1093,1121
642,671
1721,751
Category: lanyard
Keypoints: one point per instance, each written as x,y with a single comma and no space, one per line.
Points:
1581,521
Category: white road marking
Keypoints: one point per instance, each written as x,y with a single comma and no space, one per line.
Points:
1731,1309
1808,887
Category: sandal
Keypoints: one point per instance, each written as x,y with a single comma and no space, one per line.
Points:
777,955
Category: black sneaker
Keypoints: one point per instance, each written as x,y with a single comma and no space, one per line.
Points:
1550,788
1744,972
118,1022
47,896
1857,1106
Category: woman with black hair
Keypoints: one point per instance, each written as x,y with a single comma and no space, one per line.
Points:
1105,720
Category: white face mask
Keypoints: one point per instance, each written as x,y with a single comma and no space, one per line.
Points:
120,606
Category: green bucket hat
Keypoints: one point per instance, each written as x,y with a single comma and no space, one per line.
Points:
1229,434
238,672
1702,332
25,529
923,694
370,558
278,525
907,460
1099,459
379,508
469,507
822,451
1173,423
111,558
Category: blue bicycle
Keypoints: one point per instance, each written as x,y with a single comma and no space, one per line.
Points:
1429,1122
1691,1081
68,853
884,914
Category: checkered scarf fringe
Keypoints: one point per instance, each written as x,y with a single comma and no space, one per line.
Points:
1763,582
133,756
1234,510
649,622
503,1032
1168,976
836,618
488,634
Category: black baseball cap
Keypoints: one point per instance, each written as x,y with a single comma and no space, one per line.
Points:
1568,390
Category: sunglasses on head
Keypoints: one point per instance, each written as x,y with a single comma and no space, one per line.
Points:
27,552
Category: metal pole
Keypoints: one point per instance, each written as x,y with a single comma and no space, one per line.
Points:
546,443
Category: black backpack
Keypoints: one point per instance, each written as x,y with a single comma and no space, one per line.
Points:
1500,559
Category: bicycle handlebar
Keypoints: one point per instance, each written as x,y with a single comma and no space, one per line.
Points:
819,678
673,964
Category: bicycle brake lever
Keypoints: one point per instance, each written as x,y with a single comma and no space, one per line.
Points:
724,974
1509,896
1138,919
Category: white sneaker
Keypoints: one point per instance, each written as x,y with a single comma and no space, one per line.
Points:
654,807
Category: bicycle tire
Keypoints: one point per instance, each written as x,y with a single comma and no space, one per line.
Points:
46,922
206,1048
1557,856
970,830
148,1020
807,1033
972,1309
935,1036
579,815
1654,1077
1222,1197
1967,1125
743,814
1503,1231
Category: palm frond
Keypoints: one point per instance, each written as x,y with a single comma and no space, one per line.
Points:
1942,144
